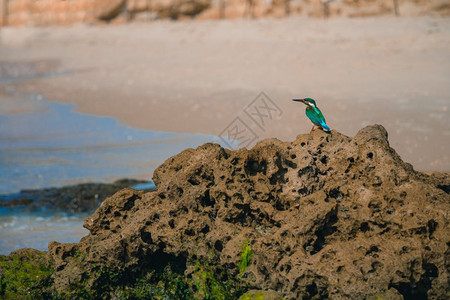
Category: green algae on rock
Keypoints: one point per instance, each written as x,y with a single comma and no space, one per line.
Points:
25,274
261,295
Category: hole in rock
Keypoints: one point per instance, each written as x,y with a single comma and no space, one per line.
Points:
218,245
445,188
290,164
159,260
146,237
206,199
279,206
305,170
205,229
432,226
162,245
336,194
303,190
130,202
189,232
252,167
312,289
288,268
326,229
372,249
193,181
430,270
172,223
364,227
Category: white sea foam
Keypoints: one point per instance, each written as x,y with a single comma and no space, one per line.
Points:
34,231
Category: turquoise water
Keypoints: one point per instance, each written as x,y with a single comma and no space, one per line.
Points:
49,144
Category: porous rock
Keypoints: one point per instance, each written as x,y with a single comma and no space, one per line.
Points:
326,216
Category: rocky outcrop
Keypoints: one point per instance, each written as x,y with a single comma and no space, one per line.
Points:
326,216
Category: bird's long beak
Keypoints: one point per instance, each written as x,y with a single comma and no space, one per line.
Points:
299,100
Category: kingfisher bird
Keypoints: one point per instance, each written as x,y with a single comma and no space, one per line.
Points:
314,114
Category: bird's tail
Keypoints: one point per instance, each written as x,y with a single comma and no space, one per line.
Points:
325,127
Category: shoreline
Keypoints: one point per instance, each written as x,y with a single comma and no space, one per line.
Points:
198,76
33,218
45,144
76,198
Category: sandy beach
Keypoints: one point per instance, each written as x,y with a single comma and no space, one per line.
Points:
197,76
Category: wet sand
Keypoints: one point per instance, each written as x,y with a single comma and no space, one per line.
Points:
197,76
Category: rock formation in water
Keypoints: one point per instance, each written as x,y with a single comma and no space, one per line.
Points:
325,216
84,197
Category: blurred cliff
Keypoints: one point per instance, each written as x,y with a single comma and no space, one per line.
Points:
64,12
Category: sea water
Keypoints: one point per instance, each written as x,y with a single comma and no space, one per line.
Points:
37,229
53,145
49,144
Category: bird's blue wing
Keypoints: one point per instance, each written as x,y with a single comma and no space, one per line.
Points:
316,116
